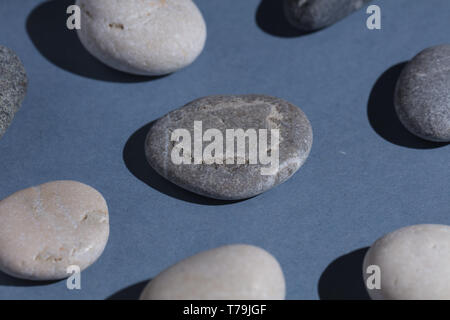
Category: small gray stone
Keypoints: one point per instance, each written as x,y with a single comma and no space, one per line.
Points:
311,15
13,86
232,181
422,97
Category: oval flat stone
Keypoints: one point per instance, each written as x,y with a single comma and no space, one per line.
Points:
422,96
45,229
242,178
13,86
234,272
414,263
311,15
144,37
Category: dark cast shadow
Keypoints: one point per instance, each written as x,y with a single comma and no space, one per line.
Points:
46,27
8,281
132,292
383,117
343,278
271,19
136,161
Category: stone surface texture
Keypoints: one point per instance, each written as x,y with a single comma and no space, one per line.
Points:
414,262
234,272
144,37
13,86
312,15
422,97
231,181
47,228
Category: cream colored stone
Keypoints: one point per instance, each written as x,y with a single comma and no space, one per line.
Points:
414,263
235,272
47,228
144,37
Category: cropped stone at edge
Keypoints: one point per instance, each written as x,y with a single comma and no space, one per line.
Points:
13,87
312,15
422,95
233,272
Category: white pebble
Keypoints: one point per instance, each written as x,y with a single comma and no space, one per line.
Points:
143,37
235,272
414,262
46,229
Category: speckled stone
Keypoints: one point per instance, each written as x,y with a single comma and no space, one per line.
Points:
144,37
231,181
13,86
311,15
414,263
422,97
47,228
234,272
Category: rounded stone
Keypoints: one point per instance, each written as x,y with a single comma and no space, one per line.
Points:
241,178
45,229
234,272
143,37
312,15
414,263
13,86
422,95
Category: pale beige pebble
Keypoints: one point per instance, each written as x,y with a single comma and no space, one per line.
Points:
234,272
414,262
45,229
144,37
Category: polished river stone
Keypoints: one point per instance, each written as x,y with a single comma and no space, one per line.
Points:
231,177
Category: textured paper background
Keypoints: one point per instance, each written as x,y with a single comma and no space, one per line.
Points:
365,177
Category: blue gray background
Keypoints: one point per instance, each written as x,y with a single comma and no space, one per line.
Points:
366,175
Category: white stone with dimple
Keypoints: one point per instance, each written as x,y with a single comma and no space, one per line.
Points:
234,272
45,229
144,37
414,262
